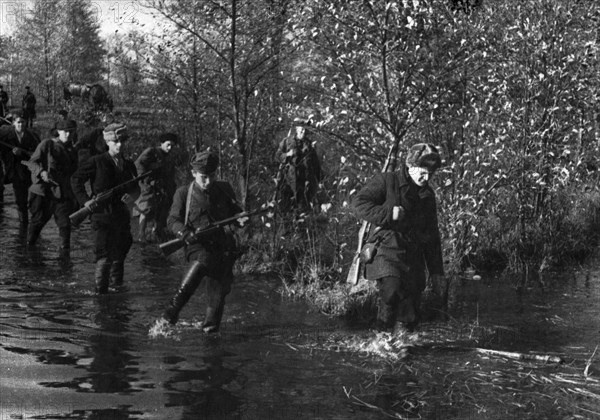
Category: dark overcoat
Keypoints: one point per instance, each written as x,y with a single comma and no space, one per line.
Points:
103,175
410,244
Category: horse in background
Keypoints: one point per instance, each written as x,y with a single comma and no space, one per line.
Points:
93,94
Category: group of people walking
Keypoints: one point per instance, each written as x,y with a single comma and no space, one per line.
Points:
50,179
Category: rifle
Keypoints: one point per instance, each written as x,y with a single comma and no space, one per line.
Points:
80,215
173,245
355,267
11,146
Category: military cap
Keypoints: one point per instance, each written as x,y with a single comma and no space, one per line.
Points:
26,87
66,125
63,112
424,155
205,162
115,131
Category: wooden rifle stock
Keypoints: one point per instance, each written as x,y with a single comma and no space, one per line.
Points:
80,215
356,266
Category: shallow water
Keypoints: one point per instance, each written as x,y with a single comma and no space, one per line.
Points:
66,353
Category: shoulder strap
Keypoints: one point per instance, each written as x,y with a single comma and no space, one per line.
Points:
188,201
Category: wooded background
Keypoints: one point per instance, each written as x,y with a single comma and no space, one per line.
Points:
508,89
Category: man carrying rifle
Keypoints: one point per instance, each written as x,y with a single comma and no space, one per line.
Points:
210,256
17,144
110,221
51,166
403,207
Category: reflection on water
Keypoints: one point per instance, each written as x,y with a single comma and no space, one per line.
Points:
66,353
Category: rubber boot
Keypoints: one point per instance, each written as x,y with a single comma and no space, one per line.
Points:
142,229
65,238
117,269
188,286
102,274
23,219
33,233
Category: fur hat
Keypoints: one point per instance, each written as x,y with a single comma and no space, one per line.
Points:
115,131
424,155
66,125
205,162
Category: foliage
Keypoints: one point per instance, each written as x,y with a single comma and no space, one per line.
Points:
45,37
508,89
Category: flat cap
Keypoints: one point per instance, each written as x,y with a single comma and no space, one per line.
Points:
66,125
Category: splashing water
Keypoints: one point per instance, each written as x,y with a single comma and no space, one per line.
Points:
162,328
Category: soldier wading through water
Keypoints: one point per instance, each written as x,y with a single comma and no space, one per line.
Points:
111,221
211,256
402,207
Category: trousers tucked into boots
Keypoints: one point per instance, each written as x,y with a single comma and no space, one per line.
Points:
103,267
188,286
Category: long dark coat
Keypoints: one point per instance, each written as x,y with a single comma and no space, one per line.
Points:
411,243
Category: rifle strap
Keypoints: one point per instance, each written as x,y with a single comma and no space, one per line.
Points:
188,202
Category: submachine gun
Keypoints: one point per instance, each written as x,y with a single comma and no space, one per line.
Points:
173,245
80,215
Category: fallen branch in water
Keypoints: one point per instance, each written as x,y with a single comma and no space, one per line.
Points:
520,356
586,371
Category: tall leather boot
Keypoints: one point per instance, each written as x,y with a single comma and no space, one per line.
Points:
188,286
101,275
212,321
117,269
214,306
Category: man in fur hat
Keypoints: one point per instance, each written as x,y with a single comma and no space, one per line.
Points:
401,206
210,257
